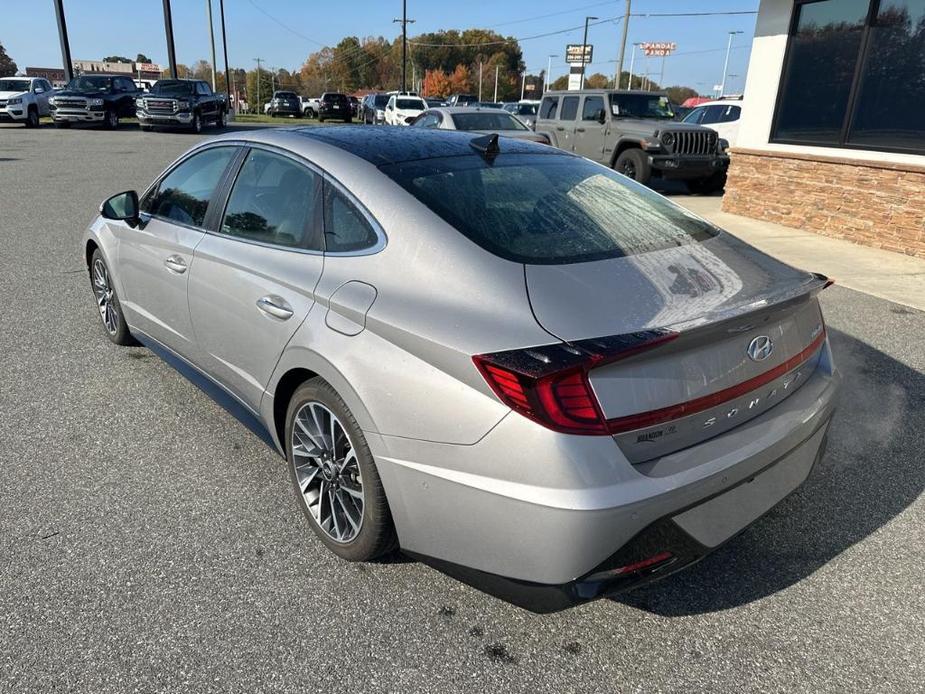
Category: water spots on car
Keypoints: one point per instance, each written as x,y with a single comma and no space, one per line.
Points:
447,611
572,648
476,631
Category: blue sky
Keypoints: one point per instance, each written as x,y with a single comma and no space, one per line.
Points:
137,26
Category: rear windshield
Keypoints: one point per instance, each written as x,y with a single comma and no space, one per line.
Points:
381,100
526,110
286,95
547,208
334,97
487,121
410,104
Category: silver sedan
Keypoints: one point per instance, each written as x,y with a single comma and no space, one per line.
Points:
508,361
475,119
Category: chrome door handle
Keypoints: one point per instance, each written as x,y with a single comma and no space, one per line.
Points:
175,264
274,306
579,130
559,128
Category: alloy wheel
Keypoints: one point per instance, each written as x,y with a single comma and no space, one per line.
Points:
629,169
112,119
327,472
105,297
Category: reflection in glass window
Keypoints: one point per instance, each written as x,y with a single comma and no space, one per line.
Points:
183,195
273,201
888,110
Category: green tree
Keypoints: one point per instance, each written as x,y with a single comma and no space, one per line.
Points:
116,59
142,58
597,81
7,66
265,91
679,95
560,83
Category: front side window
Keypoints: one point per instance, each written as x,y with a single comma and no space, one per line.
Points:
345,228
593,108
548,107
427,120
641,106
273,200
730,114
569,108
183,195
713,114
547,208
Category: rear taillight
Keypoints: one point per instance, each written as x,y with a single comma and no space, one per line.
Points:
550,385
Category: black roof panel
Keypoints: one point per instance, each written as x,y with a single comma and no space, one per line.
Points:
391,144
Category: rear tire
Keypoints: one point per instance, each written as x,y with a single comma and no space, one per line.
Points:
374,534
706,186
634,164
32,118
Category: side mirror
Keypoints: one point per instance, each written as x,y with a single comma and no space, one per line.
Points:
122,207
39,90
602,116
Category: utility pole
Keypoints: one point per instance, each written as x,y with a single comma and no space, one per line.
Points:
629,85
168,28
211,39
722,89
548,70
619,74
229,78
584,53
523,84
495,100
257,105
65,44
404,21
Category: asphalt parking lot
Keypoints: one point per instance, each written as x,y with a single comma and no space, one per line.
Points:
149,542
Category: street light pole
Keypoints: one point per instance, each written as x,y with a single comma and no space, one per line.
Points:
65,44
523,84
619,74
480,81
229,87
722,89
548,70
629,85
495,100
211,39
168,28
584,53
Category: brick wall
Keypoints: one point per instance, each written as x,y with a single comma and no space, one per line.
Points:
872,203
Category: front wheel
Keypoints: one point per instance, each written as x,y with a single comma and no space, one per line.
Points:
196,124
111,120
706,186
634,164
32,118
222,120
334,475
107,302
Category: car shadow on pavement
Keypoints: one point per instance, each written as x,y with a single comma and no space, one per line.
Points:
871,472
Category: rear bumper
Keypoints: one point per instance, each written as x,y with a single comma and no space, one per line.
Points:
537,508
286,111
687,167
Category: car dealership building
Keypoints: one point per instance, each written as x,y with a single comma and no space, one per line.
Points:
832,136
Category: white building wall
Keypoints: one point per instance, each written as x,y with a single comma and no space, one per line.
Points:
761,86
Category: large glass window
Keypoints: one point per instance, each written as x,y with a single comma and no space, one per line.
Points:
854,75
273,201
547,208
548,107
569,108
593,108
891,95
184,194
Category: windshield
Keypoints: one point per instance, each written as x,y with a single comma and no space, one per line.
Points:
641,106
89,84
14,85
410,104
547,208
172,88
487,121
526,110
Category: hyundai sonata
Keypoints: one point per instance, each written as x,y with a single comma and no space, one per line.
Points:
508,361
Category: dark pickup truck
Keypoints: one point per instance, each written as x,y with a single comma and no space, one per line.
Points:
94,99
186,104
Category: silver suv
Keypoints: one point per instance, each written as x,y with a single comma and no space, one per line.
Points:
634,133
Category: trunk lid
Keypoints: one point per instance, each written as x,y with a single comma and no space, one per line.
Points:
722,297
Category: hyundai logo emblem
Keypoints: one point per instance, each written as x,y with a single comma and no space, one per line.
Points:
760,348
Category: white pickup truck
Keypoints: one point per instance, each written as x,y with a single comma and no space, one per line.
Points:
310,106
24,100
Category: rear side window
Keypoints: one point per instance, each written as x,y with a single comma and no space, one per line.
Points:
569,108
548,107
345,228
274,200
183,195
547,208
